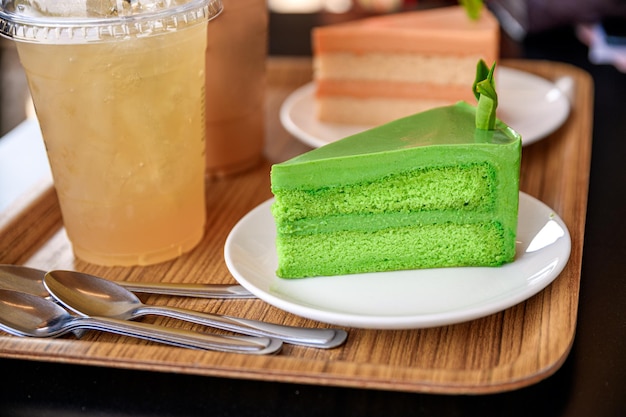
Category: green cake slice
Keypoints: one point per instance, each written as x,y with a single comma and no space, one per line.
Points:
427,191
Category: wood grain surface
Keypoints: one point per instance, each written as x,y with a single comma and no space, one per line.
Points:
504,351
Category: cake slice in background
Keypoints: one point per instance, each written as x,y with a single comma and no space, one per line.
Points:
435,189
378,69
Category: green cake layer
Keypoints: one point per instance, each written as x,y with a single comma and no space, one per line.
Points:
429,190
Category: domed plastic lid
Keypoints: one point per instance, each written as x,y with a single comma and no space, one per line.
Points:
81,21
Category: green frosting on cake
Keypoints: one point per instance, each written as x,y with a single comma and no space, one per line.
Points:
429,190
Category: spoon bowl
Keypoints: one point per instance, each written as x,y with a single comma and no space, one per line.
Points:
92,296
24,314
23,279
28,315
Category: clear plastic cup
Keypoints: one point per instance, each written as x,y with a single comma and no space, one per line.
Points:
118,88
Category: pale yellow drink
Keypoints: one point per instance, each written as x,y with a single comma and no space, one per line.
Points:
123,124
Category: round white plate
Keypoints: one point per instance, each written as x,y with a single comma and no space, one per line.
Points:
531,105
402,299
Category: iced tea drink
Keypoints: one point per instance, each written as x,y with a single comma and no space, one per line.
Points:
123,120
235,87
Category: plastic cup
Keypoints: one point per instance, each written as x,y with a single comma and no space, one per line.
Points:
118,88
235,88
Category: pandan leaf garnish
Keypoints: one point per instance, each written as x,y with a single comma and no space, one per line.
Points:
484,88
472,8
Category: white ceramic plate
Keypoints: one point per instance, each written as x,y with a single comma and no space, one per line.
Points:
531,105
402,299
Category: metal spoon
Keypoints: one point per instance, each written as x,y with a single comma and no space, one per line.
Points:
89,295
30,280
24,314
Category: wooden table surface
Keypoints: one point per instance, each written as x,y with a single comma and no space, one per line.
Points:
504,351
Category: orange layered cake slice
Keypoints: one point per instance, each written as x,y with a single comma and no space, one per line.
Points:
375,70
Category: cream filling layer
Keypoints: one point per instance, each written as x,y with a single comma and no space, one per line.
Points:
432,69
373,111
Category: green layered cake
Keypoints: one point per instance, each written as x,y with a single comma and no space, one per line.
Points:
427,191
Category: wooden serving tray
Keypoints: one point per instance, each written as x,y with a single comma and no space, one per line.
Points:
504,351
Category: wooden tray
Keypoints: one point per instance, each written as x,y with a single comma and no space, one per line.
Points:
504,351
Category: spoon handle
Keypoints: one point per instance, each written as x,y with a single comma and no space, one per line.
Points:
189,290
320,338
181,337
